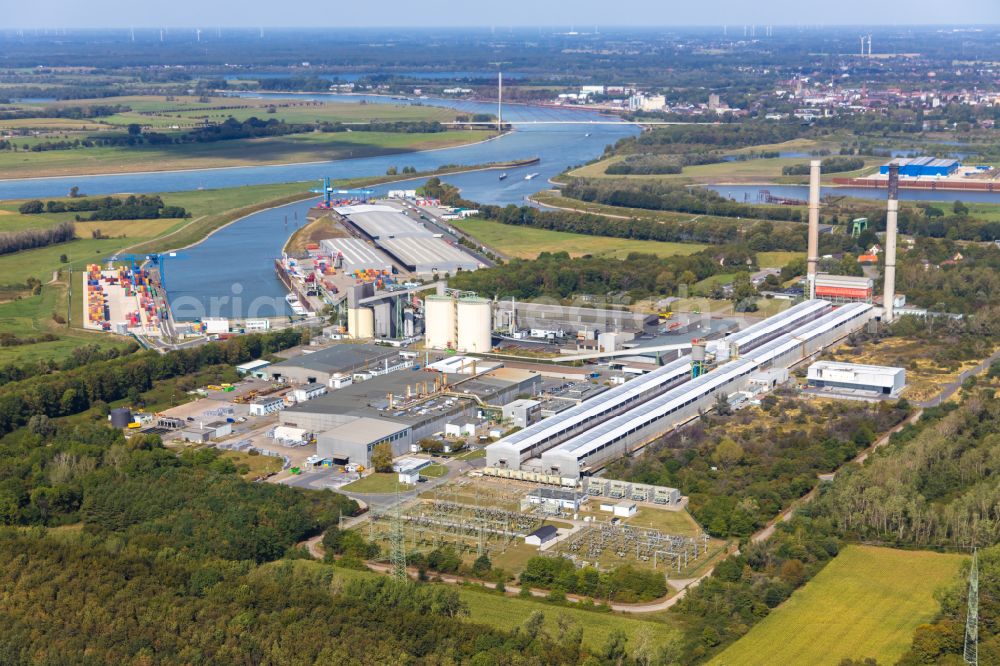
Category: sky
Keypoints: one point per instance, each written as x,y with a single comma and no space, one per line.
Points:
503,13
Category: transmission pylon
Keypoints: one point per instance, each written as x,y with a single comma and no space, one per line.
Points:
397,544
972,617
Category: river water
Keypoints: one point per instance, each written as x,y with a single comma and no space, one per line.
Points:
231,273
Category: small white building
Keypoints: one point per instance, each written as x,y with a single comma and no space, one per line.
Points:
266,405
256,325
291,436
409,469
541,536
880,379
308,392
624,509
523,412
215,325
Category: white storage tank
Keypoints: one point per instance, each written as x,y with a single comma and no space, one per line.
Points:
439,322
475,325
361,323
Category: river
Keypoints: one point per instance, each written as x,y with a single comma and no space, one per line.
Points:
231,273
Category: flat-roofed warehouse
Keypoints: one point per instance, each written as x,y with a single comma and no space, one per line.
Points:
339,359
383,221
857,377
356,254
428,255
412,406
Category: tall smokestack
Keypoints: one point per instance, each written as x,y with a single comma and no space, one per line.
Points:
890,242
812,252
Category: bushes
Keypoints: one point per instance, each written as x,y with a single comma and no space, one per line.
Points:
625,583
663,196
829,165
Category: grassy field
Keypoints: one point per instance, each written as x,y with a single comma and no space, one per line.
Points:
434,471
527,242
253,467
745,171
865,603
777,259
555,200
509,613
32,315
378,482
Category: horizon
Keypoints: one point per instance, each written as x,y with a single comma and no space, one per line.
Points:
67,14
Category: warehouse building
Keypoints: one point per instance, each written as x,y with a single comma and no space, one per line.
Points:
856,377
266,405
845,288
616,437
206,432
922,167
356,440
379,221
256,369
428,255
353,255
402,408
337,360
512,451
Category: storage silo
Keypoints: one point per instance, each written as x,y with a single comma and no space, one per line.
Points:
121,417
439,322
361,323
475,325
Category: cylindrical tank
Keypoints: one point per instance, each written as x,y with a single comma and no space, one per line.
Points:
475,325
121,417
409,329
360,323
439,322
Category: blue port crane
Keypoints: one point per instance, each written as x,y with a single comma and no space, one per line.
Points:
327,191
158,260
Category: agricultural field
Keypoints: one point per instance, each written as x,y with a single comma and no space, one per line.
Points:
865,603
528,242
177,115
291,148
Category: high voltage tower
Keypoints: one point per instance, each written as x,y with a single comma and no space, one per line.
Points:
972,617
397,544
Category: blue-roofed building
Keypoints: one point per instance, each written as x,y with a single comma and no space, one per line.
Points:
918,167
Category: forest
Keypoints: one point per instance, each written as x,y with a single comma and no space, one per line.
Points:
556,275
27,239
741,470
75,390
654,195
132,207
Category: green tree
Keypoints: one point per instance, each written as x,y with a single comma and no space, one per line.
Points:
382,457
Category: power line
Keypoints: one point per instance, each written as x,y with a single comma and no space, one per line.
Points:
971,653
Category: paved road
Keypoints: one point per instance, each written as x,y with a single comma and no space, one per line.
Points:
950,389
